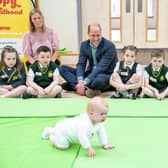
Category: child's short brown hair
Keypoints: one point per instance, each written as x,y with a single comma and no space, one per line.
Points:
43,49
158,53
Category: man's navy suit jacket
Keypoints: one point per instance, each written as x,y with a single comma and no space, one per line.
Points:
106,59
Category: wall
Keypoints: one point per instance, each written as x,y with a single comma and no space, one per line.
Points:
95,11
143,56
61,15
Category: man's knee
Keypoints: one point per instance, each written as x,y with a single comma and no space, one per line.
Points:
62,69
100,83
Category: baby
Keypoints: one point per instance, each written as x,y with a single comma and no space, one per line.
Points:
81,128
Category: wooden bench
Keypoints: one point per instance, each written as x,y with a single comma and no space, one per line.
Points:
69,54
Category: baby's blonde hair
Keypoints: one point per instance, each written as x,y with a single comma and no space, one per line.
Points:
94,102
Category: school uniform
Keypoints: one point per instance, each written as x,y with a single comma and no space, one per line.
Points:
158,78
43,76
11,76
126,71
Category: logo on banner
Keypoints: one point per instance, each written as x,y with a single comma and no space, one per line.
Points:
14,18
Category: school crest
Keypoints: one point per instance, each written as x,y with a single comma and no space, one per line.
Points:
15,78
162,78
50,74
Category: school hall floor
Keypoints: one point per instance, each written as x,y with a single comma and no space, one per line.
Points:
138,128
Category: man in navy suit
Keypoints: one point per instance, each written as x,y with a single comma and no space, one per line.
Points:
96,63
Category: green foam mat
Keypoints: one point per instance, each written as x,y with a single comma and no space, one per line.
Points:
41,107
21,145
74,106
140,143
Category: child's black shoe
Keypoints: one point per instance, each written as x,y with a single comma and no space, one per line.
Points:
116,95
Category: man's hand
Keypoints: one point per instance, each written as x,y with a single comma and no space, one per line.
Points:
80,88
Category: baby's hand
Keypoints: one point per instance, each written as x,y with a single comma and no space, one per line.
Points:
91,152
107,146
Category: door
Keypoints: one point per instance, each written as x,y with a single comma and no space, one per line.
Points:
139,22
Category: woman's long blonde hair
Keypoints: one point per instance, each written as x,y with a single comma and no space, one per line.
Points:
31,25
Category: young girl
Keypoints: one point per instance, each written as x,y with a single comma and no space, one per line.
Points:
12,74
127,75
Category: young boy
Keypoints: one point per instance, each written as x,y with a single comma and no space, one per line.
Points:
81,128
42,78
127,75
156,76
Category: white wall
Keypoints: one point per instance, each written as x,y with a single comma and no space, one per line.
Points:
61,15
95,11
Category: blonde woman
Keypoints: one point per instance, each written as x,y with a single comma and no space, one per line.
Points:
39,35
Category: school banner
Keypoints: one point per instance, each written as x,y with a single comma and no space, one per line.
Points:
14,22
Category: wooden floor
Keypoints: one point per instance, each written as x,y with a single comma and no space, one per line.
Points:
71,94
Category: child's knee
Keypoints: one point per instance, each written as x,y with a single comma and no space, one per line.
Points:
114,76
59,142
59,88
